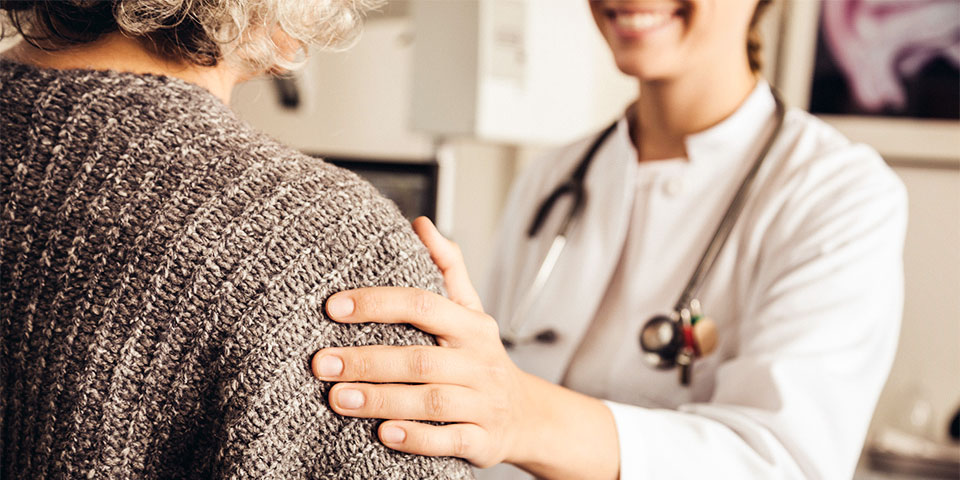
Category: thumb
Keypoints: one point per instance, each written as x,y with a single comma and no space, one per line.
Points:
447,257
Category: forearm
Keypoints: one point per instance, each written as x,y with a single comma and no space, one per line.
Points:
568,435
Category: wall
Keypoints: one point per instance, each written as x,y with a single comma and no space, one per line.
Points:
483,174
354,103
927,366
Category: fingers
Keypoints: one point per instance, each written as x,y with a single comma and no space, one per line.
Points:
441,403
427,311
464,440
388,364
448,258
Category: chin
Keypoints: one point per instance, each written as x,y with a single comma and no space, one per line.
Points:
646,69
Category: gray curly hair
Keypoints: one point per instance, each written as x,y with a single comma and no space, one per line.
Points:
245,33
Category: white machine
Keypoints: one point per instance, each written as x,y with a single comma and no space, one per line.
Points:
512,71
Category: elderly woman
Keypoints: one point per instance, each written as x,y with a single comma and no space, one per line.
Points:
165,265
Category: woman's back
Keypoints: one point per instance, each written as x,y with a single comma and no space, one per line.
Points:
164,274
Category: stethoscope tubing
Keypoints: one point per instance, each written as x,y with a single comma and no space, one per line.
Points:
729,220
536,288
575,186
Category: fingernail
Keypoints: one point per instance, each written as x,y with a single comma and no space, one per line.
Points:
350,399
330,366
392,434
340,306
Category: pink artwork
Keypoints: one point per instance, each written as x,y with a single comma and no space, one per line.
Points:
888,57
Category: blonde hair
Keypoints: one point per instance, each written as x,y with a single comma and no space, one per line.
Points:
246,33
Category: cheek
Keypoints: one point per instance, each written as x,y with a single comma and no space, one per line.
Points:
723,26
701,43
595,10
719,32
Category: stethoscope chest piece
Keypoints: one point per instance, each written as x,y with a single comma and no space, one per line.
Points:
669,341
661,339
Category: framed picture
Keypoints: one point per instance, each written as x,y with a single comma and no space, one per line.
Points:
883,72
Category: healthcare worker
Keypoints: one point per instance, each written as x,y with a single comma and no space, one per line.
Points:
790,235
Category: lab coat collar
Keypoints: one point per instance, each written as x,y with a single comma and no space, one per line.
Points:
735,136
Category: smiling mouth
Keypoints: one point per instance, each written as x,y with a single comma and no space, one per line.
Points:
634,21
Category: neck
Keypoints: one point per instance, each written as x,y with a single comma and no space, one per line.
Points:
124,54
667,111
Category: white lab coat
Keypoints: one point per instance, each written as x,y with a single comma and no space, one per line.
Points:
807,295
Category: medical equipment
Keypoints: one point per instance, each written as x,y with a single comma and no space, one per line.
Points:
666,340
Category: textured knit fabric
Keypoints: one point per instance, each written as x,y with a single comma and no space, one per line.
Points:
164,274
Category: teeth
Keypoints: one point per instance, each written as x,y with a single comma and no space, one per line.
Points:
642,21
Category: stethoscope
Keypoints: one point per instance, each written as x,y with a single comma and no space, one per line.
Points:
667,341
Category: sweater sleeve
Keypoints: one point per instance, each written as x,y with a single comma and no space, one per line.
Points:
328,235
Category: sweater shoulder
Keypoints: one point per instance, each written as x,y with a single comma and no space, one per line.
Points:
332,232
287,231
188,253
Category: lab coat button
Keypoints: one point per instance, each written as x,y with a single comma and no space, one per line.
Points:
548,336
674,187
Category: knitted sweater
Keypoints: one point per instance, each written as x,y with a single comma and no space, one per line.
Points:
164,273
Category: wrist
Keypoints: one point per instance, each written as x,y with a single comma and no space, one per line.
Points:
531,418
564,434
